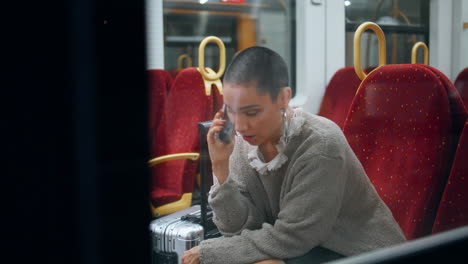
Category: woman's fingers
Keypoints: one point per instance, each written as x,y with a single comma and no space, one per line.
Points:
218,122
215,129
218,115
212,132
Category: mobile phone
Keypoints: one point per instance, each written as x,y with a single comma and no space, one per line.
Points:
225,134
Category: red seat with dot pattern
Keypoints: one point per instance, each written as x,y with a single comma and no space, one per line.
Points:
458,111
461,83
186,105
453,208
160,82
398,125
174,72
339,94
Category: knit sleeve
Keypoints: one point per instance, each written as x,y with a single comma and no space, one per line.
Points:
233,208
307,214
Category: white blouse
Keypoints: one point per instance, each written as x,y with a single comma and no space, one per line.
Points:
291,128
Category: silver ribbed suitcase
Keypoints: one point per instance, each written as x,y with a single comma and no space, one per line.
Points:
172,236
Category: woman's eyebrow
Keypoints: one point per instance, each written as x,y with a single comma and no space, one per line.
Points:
244,107
249,106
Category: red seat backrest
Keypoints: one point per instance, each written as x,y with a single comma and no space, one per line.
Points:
461,83
339,94
174,72
186,105
458,110
453,208
159,85
398,125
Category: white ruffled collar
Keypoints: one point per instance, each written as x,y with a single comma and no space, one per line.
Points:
291,129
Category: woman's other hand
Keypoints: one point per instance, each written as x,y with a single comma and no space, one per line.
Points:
191,256
219,152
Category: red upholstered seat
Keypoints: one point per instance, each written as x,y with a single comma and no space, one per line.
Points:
160,82
339,94
398,125
461,83
453,208
174,72
458,111
186,105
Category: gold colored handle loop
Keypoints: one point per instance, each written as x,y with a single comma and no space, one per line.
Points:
157,160
357,47
414,52
181,59
201,58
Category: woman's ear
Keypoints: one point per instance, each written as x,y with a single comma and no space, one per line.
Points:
284,97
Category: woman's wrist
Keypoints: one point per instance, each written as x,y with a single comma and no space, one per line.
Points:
221,170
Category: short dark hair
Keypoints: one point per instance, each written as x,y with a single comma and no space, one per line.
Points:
261,67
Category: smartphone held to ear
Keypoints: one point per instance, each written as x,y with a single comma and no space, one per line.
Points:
225,134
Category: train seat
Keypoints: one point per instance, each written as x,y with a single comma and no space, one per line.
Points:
159,84
399,126
458,110
461,83
453,208
192,99
186,105
174,72
339,94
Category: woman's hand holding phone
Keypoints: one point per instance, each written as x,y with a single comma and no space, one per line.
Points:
220,149
226,133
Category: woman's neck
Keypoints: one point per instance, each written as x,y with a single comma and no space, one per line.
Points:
268,149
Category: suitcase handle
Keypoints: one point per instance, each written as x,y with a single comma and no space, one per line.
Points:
205,171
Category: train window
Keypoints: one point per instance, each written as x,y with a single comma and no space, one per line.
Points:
183,34
239,24
404,23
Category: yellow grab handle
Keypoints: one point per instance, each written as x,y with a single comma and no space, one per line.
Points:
208,84
357,47
188,155
414,52
201,58
181,58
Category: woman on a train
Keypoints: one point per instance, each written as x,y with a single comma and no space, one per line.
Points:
288,186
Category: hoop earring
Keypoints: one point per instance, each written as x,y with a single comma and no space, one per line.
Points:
285,122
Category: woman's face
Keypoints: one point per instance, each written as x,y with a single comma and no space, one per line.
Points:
255,116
